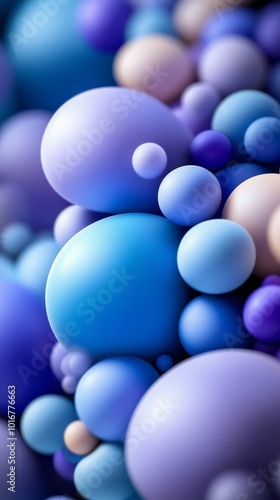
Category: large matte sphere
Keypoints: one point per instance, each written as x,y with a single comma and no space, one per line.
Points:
214,412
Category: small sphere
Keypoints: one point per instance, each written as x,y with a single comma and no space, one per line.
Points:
262,313
209,256
262,140
72,220
63,468
233,63
190,16
15,237
201,98
69,384
159,58
208,323
237,21
251,204
149,160
273,233
43,423
79,439
80,362
272,279
236,113
57,355
189,195
211,149
164,362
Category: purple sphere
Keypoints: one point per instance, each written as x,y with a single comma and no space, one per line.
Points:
261,313
211,413
72,220
239,485
20,163
267,31
211,149
272,279
64,468
102,22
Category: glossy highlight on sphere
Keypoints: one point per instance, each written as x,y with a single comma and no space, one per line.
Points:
108,290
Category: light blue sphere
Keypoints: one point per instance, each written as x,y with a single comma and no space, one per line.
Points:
7,270
262,140
108,393
216,256
149,20
213,322
102,475
109,288
15,237
189,195
236,113
43,423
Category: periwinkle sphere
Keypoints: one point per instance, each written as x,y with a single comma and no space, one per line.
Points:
108,290
189,195
89,161
25,345
262,140
201,418
71,220
237,21
108,393
267,30
44,421
209,256
149,160
208,323
239,484
262,313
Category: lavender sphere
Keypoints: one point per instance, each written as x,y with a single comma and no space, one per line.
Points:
267,31
88,160
102,22
203,417
238,485
261,313
72,220
149,160
201,98
233,63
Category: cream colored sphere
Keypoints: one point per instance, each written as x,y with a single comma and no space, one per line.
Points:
78,439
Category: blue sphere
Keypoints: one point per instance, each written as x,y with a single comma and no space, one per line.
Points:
236,113
209,256
238,21
102,475
273,83
208,323
262,140
108,290
52,61
16,237
211,149
108,393
149,20
43,423
189,195
7,270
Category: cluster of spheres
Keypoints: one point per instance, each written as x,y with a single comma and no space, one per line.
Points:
139,250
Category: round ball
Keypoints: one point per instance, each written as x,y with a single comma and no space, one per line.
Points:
208,323
43,423
189,195
236,113
201,418
201,98
211,149
62,467
108,291
71,220
88,160
209,256
267,30
272,279
190,16
262,140
262,313
251,205
102,475
159,58
78,439
102,22
273,233
149,160
233,63
164,362
237,21
15,237
108,393
149,20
